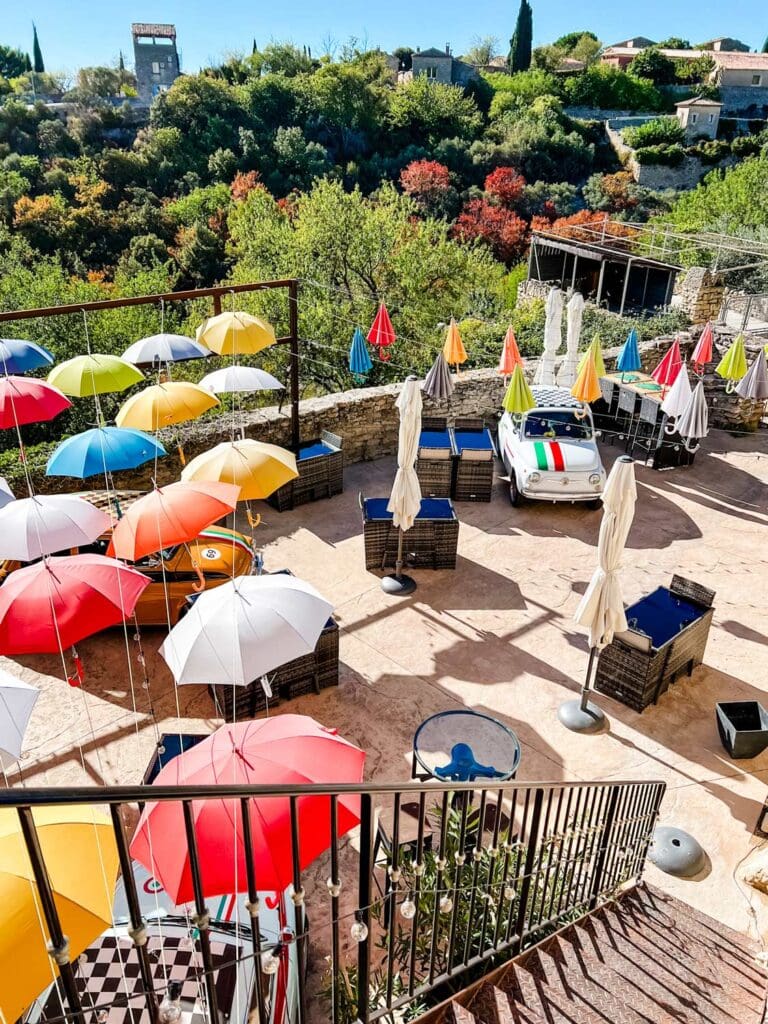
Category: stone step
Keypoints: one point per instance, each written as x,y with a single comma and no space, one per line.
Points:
493,1006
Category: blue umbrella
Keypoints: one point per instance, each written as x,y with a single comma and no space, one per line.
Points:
18,356
165,348
102,450
359,357
629,357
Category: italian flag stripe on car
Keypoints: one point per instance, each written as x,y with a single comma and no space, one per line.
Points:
549,455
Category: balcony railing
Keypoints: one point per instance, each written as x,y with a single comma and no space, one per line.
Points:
440,883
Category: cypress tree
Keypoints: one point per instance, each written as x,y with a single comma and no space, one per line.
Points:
121,62
254,47
27,62
521,43
38,65
765,45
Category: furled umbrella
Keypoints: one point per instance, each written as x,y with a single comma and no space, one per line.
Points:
593,351
733,366
702,353
162,405
601,609
28,400
47,523
545,371
693,423
103,450
665,373
17,700
587,385
438,384
81,860
453,348
360,361
165,348
518,398
405,499
754,384
20,356
677,399
240,379
286,750
510,355
257,468
629,356
94,374
574,313
382,333
235,333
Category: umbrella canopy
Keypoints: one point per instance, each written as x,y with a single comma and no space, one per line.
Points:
80,855
601,609
510,355
360,361
239,379
382,333
733,365
587,386
17,699
55,603
629,356
593,351
244,629
754,384
89,375
519,397
693,423
574,315
19,356
438,384
170,515
26,400
702,354
453,348
678,396
103,450
405,499
164,404
667,370
287,749
37,526
545,371
6,494
165,348
258,469
235,334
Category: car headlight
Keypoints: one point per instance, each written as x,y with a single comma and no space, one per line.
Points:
595,478
533,478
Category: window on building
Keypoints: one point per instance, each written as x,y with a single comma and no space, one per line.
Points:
694,118
431,72
756,79
155,67
711,118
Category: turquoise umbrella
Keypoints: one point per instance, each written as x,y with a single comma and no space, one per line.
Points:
103,450
629,356
359,357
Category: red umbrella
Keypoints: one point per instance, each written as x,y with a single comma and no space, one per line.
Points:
669,367
284,750
510,355
702,354
171,515
27,400
53,604
382,333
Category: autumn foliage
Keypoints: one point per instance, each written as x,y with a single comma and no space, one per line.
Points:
586,226
505,184
497,226
427,180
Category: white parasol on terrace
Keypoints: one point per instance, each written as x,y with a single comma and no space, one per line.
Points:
566,378
545,371
405,499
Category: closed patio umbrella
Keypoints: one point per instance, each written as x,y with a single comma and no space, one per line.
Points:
438,384
677,399
545,371
693,423
574,314
405,499
754,384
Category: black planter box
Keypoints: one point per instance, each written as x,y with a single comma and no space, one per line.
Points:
743,727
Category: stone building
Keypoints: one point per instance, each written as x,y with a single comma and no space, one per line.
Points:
156,59
442,66
698,116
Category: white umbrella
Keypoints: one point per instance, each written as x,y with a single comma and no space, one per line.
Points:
754,383
693,423
17,699
677,399
6,494
405,499
239,378
165,348
601,609
244,629
48,523
566,378
545,371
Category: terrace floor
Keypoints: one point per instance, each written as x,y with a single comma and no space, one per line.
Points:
496,635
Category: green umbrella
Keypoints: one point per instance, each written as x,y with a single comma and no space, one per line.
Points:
519,398
595,351
733,365
94,375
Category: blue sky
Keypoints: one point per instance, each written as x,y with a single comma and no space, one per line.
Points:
81,32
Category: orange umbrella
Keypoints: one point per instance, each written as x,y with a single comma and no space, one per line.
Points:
453,349
587,386
171,515
510,355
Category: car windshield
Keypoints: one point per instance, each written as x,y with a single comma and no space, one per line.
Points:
557,423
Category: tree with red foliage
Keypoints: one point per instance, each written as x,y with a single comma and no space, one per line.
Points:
243,183
497,226
428,183
588,226
505,184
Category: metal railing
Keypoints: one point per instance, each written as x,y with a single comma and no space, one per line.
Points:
441,882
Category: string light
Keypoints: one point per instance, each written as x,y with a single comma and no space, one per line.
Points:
359,930
408,908
270,960
446,904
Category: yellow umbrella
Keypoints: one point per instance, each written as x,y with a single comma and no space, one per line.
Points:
595,352
80,855
257,468
163,404
587,386
519,397
733,365
238,334
453,349
94,374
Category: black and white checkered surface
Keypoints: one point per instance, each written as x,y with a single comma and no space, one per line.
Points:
548,397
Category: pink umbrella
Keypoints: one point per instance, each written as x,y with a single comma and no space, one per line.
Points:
669,367
382,333
510,355
27,400
702,354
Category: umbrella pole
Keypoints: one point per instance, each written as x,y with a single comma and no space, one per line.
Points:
585,688
398,583
581,715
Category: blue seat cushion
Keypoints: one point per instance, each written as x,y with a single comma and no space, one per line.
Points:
431,508
435,439
311,451
662,615
478,439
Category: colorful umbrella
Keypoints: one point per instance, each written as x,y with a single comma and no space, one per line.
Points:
702,354
754,385
235,334
53,604
438,384
19,356
258,469
239,379
453,349
510,355
80,855
165,348
359,357
693,423
164,404
17,699
587,386
733,365
103,450
594,351
553,336
667,370
519,397
629,356
286,749
382,333
33,527
574,315
26,400
678,397
89,375
170,515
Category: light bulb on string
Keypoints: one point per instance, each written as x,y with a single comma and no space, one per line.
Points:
270,960
446,904
509,893
359,930
408,908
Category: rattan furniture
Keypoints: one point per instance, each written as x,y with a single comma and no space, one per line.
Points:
434,423
667,634
469,423
434,463
473,477
430,543
321,473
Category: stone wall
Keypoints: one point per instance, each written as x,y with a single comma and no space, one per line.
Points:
658,177
700,293
533,289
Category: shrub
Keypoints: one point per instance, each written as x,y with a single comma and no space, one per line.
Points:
711,152
745,145
653,133
669,156
501,229
611,89
505,184
652,64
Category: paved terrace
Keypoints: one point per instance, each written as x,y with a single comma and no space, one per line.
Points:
496,635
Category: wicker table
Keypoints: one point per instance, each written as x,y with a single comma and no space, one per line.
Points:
434,464
321,473
667,633
430,543
474,448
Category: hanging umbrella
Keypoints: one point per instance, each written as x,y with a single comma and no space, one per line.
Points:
453,350
438,384
510,355
103,450
587,386
693,423
80,855
165,348
360,361
519,397
754,384
95,374
17,699
27,400
405,499
240,334
53,604
258,469
19,356
382,333
239,379
601,609
574,315
629,357
170,515
545,371
733,365
6,494
677,399
667,370
164,404
593,351
288,750
702,354
41,525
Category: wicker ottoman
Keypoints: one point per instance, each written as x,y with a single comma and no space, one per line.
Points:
430,543
474,466
321,474
434,465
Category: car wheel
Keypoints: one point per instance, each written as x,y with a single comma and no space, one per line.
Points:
515,497
596,504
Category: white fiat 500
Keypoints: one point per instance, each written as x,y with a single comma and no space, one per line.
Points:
551,451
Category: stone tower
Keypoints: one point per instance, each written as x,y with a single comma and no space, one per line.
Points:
156,59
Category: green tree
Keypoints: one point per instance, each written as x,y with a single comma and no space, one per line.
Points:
12,62
482,50
38,65
422,112
652,64
674,43
765,45
611,89
520,44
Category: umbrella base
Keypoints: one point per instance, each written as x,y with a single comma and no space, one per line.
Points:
676,852
398,585
578,719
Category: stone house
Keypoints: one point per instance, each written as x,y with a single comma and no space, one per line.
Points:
699,116
727,44
156,59
442,66
743,82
